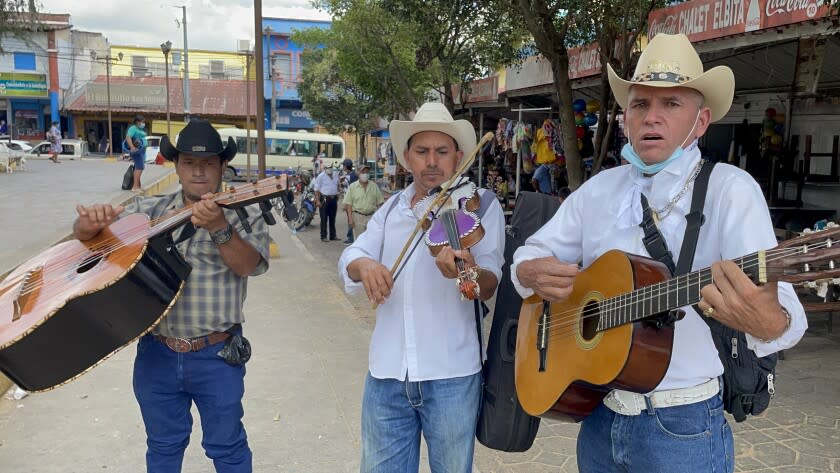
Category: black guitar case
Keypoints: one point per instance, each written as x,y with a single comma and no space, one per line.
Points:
502,424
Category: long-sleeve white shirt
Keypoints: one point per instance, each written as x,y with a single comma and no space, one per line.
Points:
423,329
605,214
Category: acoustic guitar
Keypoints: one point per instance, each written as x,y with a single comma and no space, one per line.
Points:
616,329
74,305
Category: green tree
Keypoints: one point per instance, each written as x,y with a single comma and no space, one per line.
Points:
332,100
18,18
556,25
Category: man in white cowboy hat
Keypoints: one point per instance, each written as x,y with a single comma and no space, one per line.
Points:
180,362
668,104
425,361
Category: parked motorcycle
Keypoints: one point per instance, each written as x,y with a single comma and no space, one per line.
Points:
298,211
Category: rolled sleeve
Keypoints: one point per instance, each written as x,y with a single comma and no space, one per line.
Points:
367,245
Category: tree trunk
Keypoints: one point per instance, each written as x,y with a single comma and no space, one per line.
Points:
563,87
449,96
362,147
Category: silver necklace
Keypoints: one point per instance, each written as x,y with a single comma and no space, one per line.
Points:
659,214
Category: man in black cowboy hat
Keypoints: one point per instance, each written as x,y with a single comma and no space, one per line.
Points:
179,363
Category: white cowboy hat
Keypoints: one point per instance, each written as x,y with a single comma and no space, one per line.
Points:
431,116
671,61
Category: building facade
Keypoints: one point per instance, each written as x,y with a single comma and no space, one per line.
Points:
282,66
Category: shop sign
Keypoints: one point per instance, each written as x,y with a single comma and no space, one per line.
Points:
534,71
122,95
584,61
294,118
702,20
480,90
23,85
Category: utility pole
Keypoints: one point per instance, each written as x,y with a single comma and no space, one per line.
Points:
248,114
186,66
165,48
108,60
273,121
258,56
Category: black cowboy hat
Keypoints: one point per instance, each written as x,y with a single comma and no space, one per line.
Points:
200,139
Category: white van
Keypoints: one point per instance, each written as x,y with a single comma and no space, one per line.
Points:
284,151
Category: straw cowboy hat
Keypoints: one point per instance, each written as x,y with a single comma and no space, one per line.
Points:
200,139
671,61
431,116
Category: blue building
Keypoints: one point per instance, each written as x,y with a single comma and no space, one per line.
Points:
284,75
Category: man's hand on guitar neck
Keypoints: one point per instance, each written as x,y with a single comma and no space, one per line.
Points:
550,278
740,304
93,219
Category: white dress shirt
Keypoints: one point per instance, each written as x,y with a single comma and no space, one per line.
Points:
423,329
326,185
605,214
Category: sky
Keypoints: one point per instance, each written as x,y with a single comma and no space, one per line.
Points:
211,24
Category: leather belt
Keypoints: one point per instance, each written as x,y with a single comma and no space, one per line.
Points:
632,404
184,345
366,215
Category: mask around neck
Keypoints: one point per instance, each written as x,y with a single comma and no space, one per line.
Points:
630,154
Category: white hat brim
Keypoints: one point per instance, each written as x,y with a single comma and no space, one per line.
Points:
461,131
717,86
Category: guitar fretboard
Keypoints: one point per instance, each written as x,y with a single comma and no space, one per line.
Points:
667,295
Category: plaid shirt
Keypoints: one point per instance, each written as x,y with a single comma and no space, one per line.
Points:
213,295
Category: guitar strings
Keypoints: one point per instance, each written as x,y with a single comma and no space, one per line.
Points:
772,255
109,245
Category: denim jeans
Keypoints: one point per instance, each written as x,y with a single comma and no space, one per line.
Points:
689,438
166,384
394,413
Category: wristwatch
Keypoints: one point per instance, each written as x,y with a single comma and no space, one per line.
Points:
222,236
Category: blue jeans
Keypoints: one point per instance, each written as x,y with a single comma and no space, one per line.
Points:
139,159
166,384
394,413
689,438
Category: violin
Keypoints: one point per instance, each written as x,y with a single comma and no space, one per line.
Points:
455,224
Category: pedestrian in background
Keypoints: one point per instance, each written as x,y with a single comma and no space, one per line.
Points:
135,141
360,202
326,199
54,137
348,176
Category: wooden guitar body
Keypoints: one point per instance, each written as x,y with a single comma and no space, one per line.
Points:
69,308
581,363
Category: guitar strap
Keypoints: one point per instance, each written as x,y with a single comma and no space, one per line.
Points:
655,243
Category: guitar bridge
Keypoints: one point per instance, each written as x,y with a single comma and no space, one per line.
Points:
543,327
26,290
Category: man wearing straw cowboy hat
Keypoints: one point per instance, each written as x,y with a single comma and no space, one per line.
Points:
424,361
668,104
197,353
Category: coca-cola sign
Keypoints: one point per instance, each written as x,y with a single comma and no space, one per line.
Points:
701,20
584,61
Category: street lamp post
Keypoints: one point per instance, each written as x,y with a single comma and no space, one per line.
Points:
107,58
165,48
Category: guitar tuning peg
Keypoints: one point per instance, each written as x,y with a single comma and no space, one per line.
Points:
807,231
831,225
265,207
243,217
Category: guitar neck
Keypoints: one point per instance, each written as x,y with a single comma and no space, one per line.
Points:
671,294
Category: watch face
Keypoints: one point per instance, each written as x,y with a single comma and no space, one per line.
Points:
223,235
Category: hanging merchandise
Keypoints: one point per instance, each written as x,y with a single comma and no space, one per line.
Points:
593,106
579,105
773,131
545,143
500,132
590,119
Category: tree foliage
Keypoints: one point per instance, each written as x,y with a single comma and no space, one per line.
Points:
556,25
18,18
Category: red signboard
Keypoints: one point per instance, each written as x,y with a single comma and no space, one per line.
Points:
480,90
584,61
701,20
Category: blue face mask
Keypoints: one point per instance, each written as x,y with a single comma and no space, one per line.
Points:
630,154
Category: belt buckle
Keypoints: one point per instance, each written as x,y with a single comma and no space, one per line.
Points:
179,345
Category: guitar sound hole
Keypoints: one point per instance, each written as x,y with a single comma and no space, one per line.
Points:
589,320
89,262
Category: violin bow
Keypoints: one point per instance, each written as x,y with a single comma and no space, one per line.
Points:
441,197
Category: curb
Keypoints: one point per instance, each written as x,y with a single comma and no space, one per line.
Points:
156,187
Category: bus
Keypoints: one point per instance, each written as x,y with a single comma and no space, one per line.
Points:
285,151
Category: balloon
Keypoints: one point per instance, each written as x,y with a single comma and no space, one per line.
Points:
579,105
579,144
770,112
580,132
768,132
779,118
780,128
579,121
775,140
769,124
590,119
593,106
